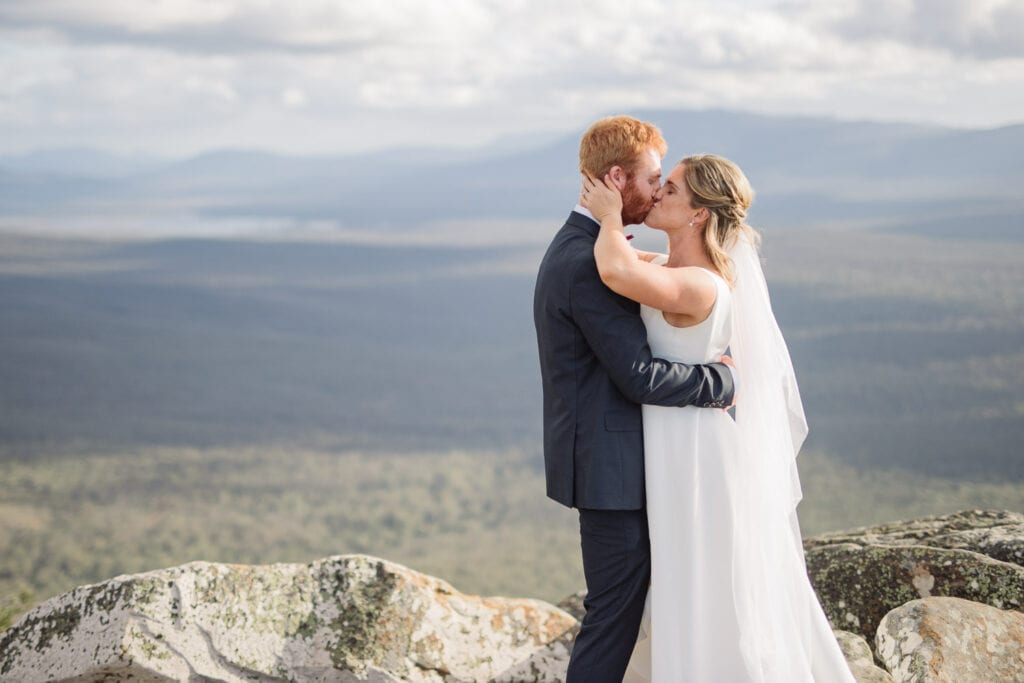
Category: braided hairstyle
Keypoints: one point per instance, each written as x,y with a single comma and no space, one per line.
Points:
719,186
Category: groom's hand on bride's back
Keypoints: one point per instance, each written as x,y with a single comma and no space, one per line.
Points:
727,360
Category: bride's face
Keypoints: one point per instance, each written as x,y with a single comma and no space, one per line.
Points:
673,207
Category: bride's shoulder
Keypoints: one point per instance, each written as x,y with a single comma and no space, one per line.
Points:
723,292
717,277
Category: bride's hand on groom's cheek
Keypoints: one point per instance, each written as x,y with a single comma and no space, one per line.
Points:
600,198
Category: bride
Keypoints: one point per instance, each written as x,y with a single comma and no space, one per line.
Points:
729,599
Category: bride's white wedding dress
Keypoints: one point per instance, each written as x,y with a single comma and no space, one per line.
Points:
729,601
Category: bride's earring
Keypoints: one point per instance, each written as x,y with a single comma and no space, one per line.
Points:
691,222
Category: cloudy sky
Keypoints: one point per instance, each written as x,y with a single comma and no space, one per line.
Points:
173,77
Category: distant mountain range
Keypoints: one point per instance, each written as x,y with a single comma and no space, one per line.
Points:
908,350
807,171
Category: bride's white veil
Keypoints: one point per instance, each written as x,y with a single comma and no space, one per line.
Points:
769,571
769,414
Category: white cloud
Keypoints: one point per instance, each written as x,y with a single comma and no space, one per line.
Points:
230,26
293,98
978,28
180,75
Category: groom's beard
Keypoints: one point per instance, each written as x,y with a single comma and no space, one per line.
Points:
635,206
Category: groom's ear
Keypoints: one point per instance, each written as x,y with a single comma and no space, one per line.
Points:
618,176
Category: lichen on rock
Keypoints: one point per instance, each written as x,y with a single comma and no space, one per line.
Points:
353,617
861,659
860,575
925,606
998,534
935,640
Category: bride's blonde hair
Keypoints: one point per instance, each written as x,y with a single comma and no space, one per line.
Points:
719,186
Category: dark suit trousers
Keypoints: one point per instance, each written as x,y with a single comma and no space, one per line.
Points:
617,568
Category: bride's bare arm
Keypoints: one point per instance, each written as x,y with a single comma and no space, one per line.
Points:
688,291
647,255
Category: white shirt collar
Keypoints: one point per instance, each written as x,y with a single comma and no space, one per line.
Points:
579,208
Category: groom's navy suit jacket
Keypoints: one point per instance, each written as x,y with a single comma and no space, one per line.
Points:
596,369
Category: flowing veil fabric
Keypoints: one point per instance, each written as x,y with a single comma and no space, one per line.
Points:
784,633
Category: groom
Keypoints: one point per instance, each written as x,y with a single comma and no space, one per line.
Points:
596,369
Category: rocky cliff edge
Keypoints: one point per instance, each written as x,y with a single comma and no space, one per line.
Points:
927,600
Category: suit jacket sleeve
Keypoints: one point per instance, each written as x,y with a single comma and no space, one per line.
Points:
616,333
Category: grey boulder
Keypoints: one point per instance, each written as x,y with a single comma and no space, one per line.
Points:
950,640
861,575
343,618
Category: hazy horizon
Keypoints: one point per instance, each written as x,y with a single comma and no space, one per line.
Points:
511,141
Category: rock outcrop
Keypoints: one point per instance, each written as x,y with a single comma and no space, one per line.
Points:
343,618
861,659
949,640
939,598
861,575
999,534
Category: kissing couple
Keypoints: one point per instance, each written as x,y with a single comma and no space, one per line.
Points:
691,547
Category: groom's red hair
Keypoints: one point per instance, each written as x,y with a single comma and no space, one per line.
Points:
618,141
